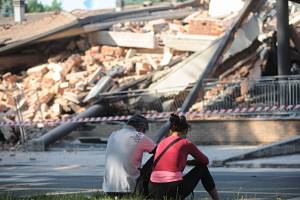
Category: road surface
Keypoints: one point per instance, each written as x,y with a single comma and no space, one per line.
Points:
82,171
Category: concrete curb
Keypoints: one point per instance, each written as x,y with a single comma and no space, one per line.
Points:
286,147
261,165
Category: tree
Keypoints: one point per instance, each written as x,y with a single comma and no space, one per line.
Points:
56,5
6,8
36,6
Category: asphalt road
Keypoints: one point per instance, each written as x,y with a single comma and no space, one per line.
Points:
232,183
63,171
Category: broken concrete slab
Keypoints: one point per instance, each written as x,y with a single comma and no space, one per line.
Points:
189,70
286,147
185,42
124,39
102,85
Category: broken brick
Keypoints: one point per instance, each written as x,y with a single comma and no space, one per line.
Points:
142,68
204,26
38,70
112,51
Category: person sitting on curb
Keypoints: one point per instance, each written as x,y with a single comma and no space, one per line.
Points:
167,180
124,152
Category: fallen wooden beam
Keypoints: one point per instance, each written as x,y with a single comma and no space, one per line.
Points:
124,39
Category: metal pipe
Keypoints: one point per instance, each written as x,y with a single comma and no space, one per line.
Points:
64,129
283,37
21,129
162,132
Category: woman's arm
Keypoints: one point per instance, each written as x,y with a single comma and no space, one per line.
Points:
200,157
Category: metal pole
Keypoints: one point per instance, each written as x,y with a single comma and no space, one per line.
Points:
21,116
20,126
64,129
283,37
40,105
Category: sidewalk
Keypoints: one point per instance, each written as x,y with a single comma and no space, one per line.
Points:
95,157
81,170
219,153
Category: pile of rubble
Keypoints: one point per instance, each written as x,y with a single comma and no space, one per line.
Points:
236,75
198,23
55,90
61,87
133,55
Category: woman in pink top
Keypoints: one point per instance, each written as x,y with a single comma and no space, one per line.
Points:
167,180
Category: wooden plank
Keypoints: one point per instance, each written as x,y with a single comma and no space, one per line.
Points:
194,43
125,39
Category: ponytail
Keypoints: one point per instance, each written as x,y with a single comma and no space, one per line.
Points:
178,123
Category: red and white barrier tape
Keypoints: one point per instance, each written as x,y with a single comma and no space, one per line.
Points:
163,115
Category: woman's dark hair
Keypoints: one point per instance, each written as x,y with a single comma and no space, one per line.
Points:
178,123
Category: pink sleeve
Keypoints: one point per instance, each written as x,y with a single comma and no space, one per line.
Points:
197,154
147,144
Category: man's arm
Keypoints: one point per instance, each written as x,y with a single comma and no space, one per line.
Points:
153,151
148,145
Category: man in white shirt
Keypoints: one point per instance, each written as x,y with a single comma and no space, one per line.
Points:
124,152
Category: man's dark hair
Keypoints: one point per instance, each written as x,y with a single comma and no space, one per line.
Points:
138,122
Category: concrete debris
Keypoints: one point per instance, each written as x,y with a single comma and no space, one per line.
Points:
251,63
215,10
149,54
51,90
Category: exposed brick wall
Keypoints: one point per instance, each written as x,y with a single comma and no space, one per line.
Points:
205,27
243,131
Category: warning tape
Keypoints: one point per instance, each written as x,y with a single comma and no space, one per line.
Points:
162,115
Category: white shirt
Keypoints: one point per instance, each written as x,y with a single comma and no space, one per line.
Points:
124,153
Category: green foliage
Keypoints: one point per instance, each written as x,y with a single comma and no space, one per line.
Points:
55,6
6,8
129,2
36,6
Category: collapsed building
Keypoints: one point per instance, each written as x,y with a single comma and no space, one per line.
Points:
147,60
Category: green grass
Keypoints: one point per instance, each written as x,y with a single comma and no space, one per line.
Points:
132,2
97,196
94,196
